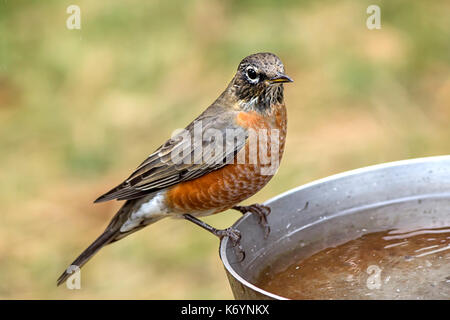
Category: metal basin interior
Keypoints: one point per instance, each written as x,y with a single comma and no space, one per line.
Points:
407,194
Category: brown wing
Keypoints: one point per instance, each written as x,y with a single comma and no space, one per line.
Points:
207,144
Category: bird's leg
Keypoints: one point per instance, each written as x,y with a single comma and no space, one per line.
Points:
261,211
233,234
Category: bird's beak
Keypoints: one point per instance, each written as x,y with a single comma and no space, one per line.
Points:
280,78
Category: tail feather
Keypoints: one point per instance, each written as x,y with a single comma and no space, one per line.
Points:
104,239
111,234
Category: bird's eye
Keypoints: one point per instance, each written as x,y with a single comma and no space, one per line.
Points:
252,74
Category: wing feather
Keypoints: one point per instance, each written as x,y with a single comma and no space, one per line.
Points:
160,170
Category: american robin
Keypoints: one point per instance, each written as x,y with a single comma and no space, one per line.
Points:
201,170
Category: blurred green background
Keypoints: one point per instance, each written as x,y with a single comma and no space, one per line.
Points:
80,109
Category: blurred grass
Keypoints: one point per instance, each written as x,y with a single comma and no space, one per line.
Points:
79,109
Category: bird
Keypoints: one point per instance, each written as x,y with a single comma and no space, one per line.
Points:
201,171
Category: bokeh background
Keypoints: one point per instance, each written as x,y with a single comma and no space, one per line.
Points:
80,109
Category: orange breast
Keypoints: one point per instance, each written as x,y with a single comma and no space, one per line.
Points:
221,189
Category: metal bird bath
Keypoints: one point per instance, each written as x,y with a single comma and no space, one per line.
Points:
404,194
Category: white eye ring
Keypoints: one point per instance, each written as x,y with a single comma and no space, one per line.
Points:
252,74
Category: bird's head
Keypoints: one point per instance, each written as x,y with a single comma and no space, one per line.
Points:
258,83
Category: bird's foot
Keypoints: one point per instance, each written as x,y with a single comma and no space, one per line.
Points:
233,234
261,211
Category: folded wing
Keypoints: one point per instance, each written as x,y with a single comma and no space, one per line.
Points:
207,144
